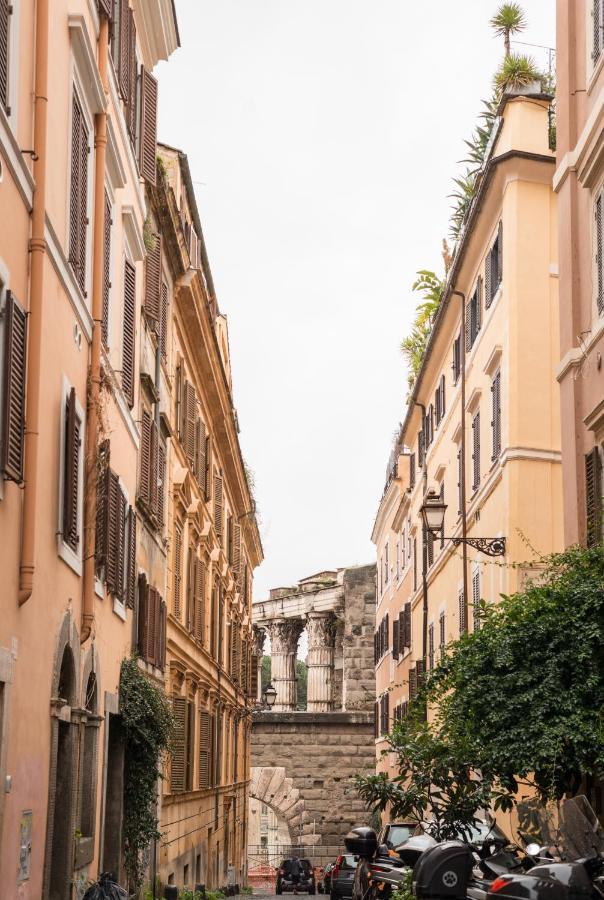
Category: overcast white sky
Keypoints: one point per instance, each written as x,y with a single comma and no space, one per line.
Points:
324,135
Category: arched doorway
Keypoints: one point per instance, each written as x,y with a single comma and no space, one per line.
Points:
62,771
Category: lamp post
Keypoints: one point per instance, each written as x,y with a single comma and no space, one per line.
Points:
433,520
269,697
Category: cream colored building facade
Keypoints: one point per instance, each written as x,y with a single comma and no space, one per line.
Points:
504,276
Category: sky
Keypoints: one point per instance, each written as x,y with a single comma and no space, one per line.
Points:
323,137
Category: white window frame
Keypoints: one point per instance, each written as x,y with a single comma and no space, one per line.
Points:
69,556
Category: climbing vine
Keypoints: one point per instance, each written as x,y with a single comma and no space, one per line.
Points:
147,728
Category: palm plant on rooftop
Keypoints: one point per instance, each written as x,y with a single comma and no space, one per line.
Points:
517,72
507,21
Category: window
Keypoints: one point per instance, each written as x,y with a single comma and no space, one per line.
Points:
420,448
456,366
431,645
476,451
177,572
6,10
473,315
128,332
476,598
439,400
398,561
72,472
152,470
408,540
597,30
442,635
107,223
13,322
412,470
115,533
403,549
599,242
206,730
78,193
593,497
163,325
493,269
404,631
496,420
386,564
183,738
385,714
461,603
428,427
151,631
395,638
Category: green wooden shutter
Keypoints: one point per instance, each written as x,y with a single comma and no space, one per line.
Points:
112,562
476,598
462,611
13,398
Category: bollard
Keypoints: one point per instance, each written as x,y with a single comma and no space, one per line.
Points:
170,892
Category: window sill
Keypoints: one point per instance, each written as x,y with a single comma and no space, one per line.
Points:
119,609
72,559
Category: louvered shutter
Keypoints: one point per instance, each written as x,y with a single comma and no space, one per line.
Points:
412,470
478,305
420,448
593,497
408,625
431,646
462,611
442,530
128,334
199,600
142,625
163,333
496,421
107,222
236,548
5,14
105,8
395,640
154,469
153,280
102,506
114,505
152,625
124,50
205,749
177,563
442,630
131,573
13,399
489,293
254,677
476,451
442,396
71,473
122,521
476,598
468,336
218,505
376,719
157,644
201,457
191,591
459,482
78,198
145,455
387,632
234,662
131,104
401,633
600,252
430,548
148,132
412,683
596,30
499,255
190,411
163,616
177,762
161,481
375,647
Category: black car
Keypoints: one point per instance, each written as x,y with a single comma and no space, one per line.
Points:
287,882
341,878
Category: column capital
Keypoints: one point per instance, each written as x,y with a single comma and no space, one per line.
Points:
284,634
321,629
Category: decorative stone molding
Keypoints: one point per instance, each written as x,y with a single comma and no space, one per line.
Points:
177,676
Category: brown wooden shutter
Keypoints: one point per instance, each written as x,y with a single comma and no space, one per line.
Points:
395,639
462,611
599,214
131,105
152,626
177,762
102,506
148,133
478,305
407,613
78,197
201,456
177,564
412,683
208,480
442,630
476,451
205,749
153,280
254,677
218,504
143,601
114,531
107,222
105,8
159,638
13,400
5,14
190,414
145,455
163,616
129,329
199,600
124,50
161,481
154,469
71,473
431,645
496,420
593,497
131,574
236,548
163,333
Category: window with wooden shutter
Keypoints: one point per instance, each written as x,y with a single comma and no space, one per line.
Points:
476,598
163,332
236,548
105,8
431,645
599,242
208,480
148,131
131,107
153,280
107,223
395,639
161,649
142,616
430,548
102,507
442,397
420,448
593,497
476,451
597,26
145,459
201,449
468,326
456,358
71,473
78,194
116,535
442,637
154,470
189,421
177,572
496,420
6,10
131,570
461,605
233,661
413,683
218,505
442,530
190,608
254,676
123,49
13,398
161,482
153,608
205,749
376,719
412,470
128,333
200,611
178,758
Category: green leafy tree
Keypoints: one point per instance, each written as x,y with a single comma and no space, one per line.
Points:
265,676
508,20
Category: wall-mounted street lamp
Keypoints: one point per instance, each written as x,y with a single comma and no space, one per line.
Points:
433,517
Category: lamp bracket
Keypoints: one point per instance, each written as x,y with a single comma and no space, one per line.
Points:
488,546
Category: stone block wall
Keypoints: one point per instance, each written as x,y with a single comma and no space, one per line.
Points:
358,688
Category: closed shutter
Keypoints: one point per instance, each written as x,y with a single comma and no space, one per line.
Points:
177,762
78,195
412,470
407,613
376,719
71,473
386,632
236,548
201,457
395,639
152,626
131,104
412,683
420,448
596,30
145,455
114,533
218,505
431,646
208,480
5,14
476,598
161,652
177,563
102,506
233,668
254,676
199,600
496,420
430,548
499,258
13,400
148,133
128,336
190,418
125,21
462,611
161,481
476,451
143,617
593,497
107,222
154,469
414,564
600,252
205,749
131,573
163,332
153,280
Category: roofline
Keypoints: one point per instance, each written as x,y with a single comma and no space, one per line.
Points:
176,28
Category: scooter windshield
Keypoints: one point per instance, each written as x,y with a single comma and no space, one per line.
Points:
568,830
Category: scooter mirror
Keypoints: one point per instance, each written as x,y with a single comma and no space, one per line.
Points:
533,849
383,850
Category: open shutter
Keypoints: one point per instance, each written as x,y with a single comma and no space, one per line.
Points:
190,412
153,280
489,292
201,456
125,21
143,599
177,762
128,336
163,333
114,503
236,548
496,421
218,504
13,411
78,199
254,676
478,305
593,497
152,626
177,564
412,683
107,222
442,396
476,598
205,749
596,30
131,106
148,133
199,600
163,616
154,469
462,611
499,255
600,252
395,639
5,14
476,451
131,573
161,480
100,533
105,8
71,473
145,455
468,335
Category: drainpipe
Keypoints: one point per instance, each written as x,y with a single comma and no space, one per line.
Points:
462,466
37,248
424,550
94,377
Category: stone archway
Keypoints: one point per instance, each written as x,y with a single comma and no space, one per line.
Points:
270,785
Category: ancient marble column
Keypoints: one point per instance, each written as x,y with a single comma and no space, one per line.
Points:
258,653
321,630
284,635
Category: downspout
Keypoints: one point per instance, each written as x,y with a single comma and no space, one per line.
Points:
37,248
94,376
462,465
424,549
